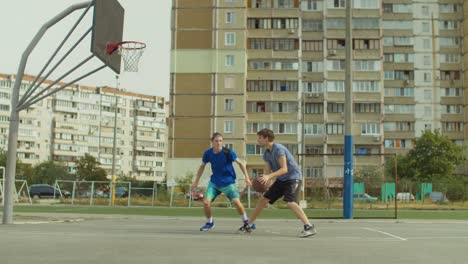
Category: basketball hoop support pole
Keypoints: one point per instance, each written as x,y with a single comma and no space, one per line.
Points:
14,115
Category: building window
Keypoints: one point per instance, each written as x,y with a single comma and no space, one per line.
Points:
313,87
427,43
284,4
367,107
398,143
452,126
336,43
335,108
228,105
366,86
261,3
312,5
313,66
228,126
425,10
366,44
229,60
312,45
335,129
229,39
370,129
335,86
425,26
312,25
336,65
254,149
427,60
230,17
313,108
313,129
336,3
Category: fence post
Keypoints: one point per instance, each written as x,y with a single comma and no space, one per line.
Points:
172,195
155,186
129,194
92,194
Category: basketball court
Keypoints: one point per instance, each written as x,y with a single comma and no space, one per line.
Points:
143,239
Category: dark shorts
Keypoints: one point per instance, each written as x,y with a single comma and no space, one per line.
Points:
287,188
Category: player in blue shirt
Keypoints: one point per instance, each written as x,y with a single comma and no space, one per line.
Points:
223,178
280,166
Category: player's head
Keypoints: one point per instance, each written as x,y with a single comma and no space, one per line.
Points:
217,140
265,136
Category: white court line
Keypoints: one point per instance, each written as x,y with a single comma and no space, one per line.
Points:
46,222
385,233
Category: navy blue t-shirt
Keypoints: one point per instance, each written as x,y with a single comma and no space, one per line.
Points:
223,173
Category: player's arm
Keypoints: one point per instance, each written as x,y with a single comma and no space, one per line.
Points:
244,171
267,169
283,170
199,174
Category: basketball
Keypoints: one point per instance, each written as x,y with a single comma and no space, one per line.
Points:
259,186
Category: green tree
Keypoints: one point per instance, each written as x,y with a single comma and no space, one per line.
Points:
23,171
87,169
435,156
405,170
48,172
371,176
186,182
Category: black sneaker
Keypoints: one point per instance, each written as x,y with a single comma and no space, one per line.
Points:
245,228
309,230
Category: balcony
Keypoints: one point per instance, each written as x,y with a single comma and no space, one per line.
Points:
273,75
374,54
272,96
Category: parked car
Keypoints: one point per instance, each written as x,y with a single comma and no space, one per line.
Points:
364,197
47,191
438,197
405,196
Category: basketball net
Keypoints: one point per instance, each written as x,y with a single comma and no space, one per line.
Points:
131,52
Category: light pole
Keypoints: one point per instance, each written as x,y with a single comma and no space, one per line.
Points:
114,141
348,138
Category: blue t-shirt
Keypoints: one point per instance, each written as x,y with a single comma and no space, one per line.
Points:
272,157
221,167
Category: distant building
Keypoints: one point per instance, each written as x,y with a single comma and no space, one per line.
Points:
80,119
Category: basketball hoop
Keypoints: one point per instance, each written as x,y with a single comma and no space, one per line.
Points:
130,51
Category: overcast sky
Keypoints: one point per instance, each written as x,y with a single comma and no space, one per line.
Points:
145,20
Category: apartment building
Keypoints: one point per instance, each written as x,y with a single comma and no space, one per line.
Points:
81,119
249,64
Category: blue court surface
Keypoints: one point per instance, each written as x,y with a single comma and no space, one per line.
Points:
72,239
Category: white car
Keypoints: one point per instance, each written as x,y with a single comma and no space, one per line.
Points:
405,196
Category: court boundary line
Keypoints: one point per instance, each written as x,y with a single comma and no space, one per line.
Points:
385,233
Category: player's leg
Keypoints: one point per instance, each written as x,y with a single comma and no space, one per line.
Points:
210,195
273,194
290,192
233,195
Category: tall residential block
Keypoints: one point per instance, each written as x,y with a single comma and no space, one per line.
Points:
242,65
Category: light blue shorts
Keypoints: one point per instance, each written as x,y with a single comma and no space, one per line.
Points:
213,191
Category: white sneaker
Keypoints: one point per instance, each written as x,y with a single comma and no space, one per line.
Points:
309,230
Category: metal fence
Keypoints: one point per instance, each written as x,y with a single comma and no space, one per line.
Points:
316,195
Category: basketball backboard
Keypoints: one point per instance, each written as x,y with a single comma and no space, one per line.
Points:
108,21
